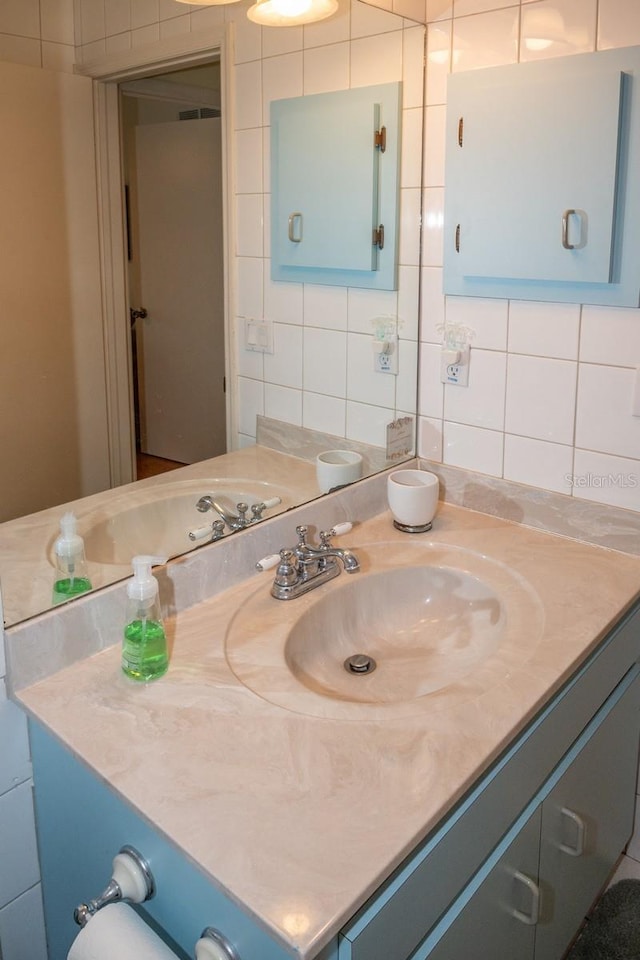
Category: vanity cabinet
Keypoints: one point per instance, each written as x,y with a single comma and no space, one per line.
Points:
552,814
541,198
530,897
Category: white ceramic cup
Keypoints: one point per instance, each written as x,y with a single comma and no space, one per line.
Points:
412,496
334,468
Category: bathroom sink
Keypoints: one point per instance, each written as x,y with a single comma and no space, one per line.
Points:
424,626
157,520
418,626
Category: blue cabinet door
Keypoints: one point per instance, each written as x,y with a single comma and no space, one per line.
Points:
498,918
331,187
542,197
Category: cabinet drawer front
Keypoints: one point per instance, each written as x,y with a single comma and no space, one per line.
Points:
395,920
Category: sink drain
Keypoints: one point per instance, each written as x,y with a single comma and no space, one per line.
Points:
360,663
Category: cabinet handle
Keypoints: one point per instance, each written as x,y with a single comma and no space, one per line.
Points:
295,220
580,214
578,849
530,918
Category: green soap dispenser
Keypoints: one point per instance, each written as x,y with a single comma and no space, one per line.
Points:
71,577
144,650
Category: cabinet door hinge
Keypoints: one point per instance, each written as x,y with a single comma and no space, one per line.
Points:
378,237
457,240
460,131
380,139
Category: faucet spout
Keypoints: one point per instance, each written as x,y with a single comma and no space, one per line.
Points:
348,559
306,567
235,521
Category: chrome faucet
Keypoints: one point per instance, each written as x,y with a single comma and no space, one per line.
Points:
239,520
305,567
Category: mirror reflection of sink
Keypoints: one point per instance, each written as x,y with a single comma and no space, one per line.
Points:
398,638
158,520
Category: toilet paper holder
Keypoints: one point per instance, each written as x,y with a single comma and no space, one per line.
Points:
131,881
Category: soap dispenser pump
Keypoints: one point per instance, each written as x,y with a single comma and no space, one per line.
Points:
71,577
144,650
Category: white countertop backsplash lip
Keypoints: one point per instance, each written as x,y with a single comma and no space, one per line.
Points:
330,790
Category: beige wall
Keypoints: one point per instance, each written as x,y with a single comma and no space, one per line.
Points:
52,389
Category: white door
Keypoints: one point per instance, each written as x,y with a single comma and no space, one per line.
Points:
181,342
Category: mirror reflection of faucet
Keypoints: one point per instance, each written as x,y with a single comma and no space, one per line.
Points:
234,521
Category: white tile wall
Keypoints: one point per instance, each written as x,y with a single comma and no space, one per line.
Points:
472,448
568,426
618,23
603,416
38,33
569,24
325,362
540,398
544,329
327,414
284,365
325,306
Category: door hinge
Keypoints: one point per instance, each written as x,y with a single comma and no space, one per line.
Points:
380,139
460,131
457,238
224,384
378,237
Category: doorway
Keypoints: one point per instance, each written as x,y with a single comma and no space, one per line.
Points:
172,169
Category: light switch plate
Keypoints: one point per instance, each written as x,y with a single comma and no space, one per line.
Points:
258,335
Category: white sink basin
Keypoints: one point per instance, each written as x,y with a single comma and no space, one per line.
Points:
424,627
424,623
157,520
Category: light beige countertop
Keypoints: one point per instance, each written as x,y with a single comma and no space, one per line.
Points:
299,818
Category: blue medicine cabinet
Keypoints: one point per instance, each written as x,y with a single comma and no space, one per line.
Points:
335,187
542,198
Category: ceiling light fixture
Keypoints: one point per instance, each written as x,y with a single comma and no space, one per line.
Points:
207,3
290,13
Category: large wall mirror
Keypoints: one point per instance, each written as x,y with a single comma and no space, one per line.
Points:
187,371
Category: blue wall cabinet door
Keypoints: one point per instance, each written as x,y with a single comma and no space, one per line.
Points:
333,185
541,202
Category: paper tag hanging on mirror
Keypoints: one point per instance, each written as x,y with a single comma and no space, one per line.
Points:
400,438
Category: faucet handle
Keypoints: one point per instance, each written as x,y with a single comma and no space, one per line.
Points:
336,531
302,536
287,572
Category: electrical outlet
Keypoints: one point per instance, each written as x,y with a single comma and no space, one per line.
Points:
385,355
454,366
383,363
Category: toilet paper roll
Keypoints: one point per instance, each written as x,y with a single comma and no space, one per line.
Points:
117,931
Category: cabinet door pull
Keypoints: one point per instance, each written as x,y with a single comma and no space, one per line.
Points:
578,848
581,215
295,227
530,918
